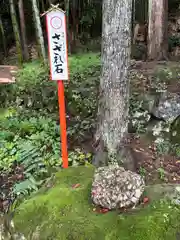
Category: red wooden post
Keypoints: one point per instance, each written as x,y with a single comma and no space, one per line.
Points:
62,117
58,56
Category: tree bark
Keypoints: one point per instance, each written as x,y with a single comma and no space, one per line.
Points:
16,32
23,30
113,105
3,37
39,32
157,30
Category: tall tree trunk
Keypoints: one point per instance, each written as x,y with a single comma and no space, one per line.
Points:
3,37
74,24
157,30
66,3
39,32
43,5
23,30
16,32
114,84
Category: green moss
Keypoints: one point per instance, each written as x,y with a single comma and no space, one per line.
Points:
64,212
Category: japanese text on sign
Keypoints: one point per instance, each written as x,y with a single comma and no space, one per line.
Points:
57,41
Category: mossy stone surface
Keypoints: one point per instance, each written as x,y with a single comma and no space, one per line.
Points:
66,213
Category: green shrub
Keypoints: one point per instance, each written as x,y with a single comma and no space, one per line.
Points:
29,129
34,91
34,144
34,94
173,42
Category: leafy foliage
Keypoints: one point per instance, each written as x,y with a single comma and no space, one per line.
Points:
173,41
35,94
34,144
29,129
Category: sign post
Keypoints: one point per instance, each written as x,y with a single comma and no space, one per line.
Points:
58,58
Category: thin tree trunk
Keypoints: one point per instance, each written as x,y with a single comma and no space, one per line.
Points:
74,20
23,30
157,30
67,24
16,32
39,31
50,2
114,84
3,37
43,5
133,19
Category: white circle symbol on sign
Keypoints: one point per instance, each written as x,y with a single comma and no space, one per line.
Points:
56,22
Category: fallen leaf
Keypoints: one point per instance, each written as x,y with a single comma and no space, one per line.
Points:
77,185
104,210
101,210
145,200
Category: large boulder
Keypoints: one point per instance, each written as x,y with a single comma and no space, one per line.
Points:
163,105
115,188
63,210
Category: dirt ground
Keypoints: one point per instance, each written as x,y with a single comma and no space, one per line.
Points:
157,169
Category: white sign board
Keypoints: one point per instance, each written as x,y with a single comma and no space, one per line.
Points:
57,43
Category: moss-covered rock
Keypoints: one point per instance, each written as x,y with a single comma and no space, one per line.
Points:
63,212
